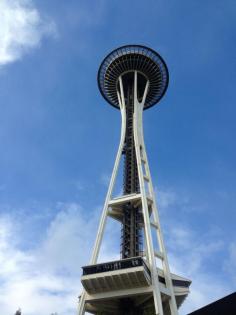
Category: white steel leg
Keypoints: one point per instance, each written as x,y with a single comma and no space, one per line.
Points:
103,219
165,264
141,154
138,108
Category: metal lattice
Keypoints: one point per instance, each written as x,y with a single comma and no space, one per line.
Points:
131,233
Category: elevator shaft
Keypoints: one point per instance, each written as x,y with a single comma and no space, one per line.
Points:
131,236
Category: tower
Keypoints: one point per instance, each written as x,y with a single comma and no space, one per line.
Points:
132,78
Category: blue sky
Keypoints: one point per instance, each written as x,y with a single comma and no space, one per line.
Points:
59,138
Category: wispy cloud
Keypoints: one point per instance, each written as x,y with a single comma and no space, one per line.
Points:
191,255
230,262
166,198
192,252
22,28
47,278
105,179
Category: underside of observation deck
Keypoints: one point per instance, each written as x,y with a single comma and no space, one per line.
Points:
124,287
133,58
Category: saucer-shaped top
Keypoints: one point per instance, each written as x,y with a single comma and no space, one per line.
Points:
130,58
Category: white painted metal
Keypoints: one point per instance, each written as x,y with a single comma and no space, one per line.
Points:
112,181
104,216
151,193
116,280
124,199
120,293
142,156
145,196
138,109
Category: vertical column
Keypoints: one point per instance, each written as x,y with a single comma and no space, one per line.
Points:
131,238
143,156
101,228
138,109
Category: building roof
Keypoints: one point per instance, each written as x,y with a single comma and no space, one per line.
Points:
224,306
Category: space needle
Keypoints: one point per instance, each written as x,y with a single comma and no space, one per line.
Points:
132,78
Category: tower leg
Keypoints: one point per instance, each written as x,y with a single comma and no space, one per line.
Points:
138,108
142,158
165,264
81,306
102,224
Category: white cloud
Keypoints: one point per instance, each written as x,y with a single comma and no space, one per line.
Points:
205,289
190,255
21,29
105,179
165,198
193,252
79,185
46,279
230,262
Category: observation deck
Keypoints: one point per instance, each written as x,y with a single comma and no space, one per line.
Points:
108,283
149,65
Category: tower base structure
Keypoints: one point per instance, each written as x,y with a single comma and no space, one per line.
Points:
125,287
